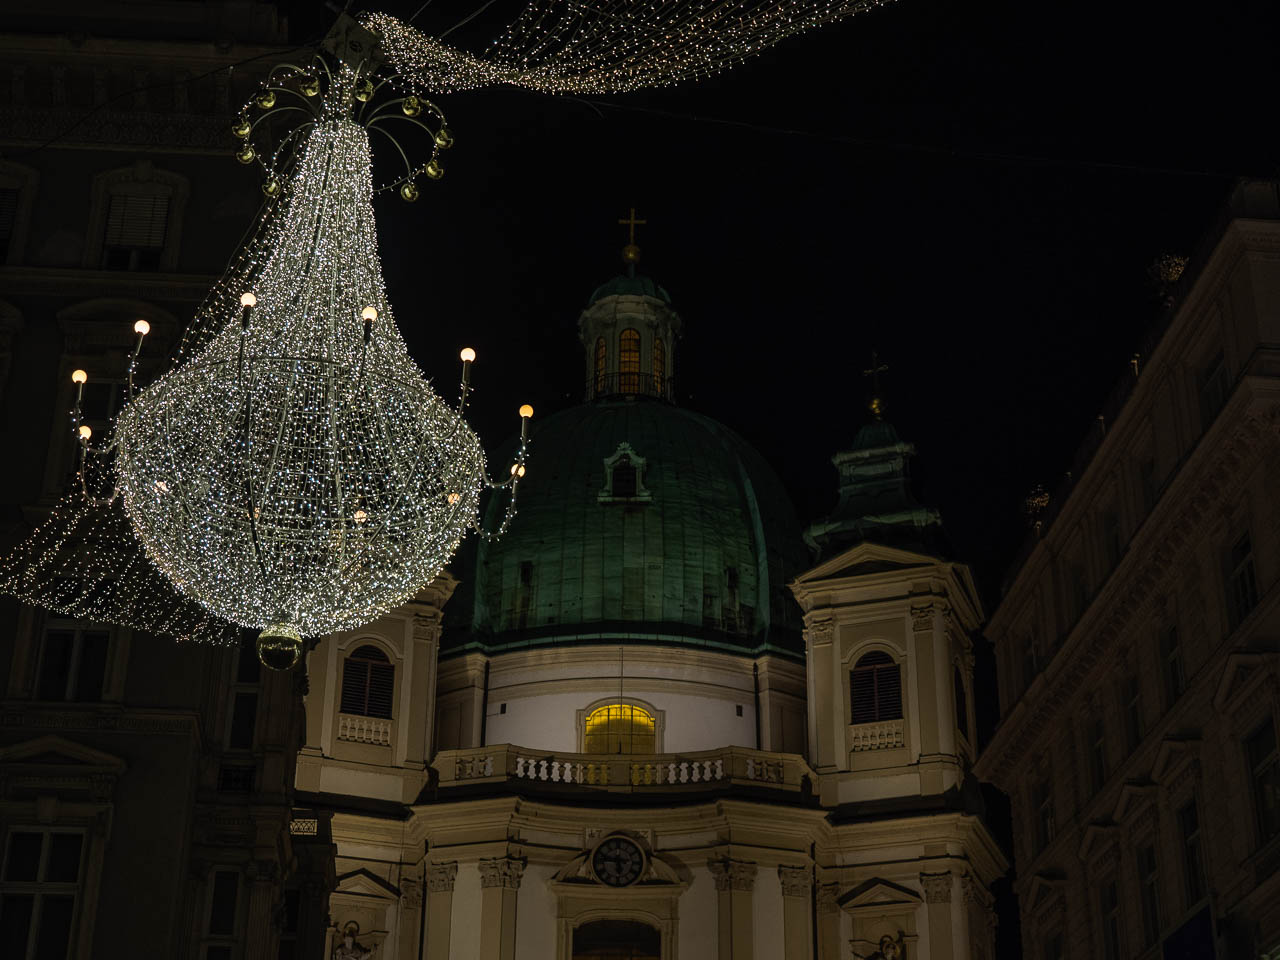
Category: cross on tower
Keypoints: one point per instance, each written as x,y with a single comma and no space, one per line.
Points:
631,223
877,403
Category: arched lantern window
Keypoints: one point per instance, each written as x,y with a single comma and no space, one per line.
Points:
629,361
600,358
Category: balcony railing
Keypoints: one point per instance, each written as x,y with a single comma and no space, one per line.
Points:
657,772
883,735
631,384
357,729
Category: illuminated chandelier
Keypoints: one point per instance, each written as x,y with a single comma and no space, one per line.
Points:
293,471
297,474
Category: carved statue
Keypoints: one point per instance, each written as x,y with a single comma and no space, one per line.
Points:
349,949
890,948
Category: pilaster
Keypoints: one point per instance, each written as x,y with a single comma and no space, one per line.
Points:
260,935
937,898
440,877
410,914
828,922
797,896
735,883
499,884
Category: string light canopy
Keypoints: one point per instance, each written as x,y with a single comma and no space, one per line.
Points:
293,471
608,46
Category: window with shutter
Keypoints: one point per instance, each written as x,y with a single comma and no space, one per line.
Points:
136,227
368,683
875,689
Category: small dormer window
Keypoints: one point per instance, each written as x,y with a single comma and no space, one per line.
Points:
624,477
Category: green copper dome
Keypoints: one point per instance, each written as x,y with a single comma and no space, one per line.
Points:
634,284
638,520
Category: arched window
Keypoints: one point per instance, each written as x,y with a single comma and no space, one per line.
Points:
601,356
962,704
875,689
629,361
659,365
620,728
616,940
368,683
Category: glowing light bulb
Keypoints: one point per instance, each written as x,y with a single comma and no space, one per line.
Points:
468,355
526,411
359,516
142,327
517,470
79,376
85,431
248,300
453,498
369,313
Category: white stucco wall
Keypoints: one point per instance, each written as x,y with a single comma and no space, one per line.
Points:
766,901
542,719
464,923
536,911
698,920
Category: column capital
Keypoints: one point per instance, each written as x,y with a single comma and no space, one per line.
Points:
733,874
411,892
827,897
796,881
501,872
440,876
937,887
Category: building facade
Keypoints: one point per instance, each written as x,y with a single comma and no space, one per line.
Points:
644,724
1136,644
146,787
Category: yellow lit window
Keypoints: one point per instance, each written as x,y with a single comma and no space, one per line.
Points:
600,358
629,361
659,365
620,728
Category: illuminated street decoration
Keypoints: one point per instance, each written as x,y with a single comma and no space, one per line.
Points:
293,471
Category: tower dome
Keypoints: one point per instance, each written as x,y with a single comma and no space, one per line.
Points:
638,520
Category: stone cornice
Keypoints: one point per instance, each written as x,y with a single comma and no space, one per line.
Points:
23,715
1215,469
76,282
1241,236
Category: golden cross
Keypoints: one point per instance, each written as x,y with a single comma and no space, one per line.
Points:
877,368
631,223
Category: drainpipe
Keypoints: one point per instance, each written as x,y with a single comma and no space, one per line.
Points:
755,683
484,705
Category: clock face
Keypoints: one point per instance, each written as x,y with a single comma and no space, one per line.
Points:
617,862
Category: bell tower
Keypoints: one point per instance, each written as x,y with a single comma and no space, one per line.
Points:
888,624
629,331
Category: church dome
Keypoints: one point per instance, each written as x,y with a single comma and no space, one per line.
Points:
639,520
632,285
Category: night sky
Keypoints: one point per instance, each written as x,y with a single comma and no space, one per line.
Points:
977,192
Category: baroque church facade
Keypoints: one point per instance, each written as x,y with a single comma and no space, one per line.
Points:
647,723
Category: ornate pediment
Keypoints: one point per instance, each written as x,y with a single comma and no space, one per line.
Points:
1044,893
1134,797
863,559
1239,671
54,751
363,883
1173,755
879,896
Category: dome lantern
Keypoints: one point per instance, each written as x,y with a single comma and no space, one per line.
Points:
629,331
